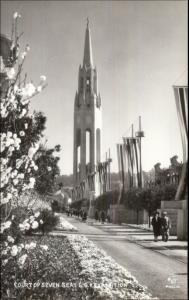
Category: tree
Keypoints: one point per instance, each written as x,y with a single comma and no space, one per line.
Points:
48,169
148,198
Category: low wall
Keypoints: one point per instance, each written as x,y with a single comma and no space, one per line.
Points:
120,214
117,213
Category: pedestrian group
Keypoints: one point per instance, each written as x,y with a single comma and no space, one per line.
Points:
161,226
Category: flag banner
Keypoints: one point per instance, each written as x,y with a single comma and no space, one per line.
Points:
131,158
122,165
127,164
119,159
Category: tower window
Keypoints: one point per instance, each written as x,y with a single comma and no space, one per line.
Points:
88,84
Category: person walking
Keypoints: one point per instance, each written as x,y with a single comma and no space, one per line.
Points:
84,216
96,215
156,224
108,216
165,226
102,217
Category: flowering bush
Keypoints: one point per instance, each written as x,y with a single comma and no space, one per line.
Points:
20,131
31,224
22,265
20,134
49,270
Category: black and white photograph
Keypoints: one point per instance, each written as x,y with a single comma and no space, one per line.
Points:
94,150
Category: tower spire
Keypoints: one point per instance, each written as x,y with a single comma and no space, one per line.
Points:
88,57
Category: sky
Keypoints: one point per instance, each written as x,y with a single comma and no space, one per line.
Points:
140,51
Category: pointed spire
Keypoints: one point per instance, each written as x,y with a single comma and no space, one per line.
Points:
88,57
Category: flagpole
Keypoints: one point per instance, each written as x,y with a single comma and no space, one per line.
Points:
139,135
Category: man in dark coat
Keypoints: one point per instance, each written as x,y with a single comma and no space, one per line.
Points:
84,218
156,224
102,217
96,215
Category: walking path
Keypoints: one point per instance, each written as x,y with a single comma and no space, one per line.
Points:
158,265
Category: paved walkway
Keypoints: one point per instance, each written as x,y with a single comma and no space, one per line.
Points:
159,266
144,237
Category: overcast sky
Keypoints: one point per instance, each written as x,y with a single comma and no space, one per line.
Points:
139,49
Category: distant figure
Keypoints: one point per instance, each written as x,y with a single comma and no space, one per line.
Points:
108,215
165,226
156,224
81,214
102,217
108,218
96,215
84,216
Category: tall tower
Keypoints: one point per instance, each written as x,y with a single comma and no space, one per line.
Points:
87,117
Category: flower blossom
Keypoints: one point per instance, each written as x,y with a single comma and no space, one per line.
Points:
39,88
14,250
44,247
10,239
28,90
22,259
4,262
4,200
32,150
37,214
35,167
32,245
22,133
15,181
21,175
10,72
5,225
35,225
4,252
32,182
43,78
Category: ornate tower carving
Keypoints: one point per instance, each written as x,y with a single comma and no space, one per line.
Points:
87,117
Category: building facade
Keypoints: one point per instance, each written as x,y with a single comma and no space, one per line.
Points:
168,175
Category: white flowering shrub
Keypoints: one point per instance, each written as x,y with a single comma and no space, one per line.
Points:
20,134
20,131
